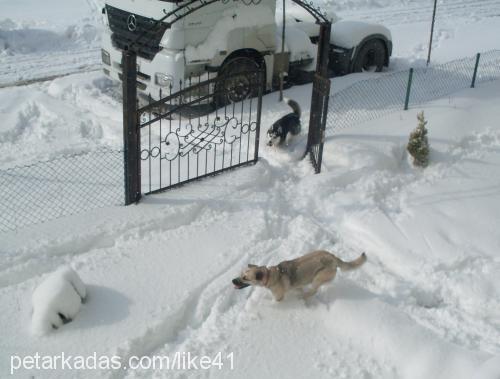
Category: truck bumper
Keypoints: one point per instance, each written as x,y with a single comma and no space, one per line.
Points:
158,77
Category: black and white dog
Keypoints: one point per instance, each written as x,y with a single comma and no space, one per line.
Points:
288,124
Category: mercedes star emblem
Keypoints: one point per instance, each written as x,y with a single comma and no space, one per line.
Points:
131,23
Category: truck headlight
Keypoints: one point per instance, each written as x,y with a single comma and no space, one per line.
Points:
105,57
163,80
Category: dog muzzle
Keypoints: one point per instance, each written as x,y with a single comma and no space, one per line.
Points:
239,284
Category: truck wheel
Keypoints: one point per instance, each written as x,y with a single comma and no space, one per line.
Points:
231,87
371,57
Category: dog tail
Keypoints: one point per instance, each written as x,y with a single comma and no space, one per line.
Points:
348,266
295,107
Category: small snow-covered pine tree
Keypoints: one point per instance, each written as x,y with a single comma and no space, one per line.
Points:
418,145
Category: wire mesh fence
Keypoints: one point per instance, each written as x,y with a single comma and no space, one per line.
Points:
373,98
78,183
60,187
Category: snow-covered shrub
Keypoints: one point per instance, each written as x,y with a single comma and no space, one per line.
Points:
57,300
418,145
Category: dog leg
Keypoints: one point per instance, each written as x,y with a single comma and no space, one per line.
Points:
279,294
322,277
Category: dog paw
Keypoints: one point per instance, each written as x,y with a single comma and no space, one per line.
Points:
308,294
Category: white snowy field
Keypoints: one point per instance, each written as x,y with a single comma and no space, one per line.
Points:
158,274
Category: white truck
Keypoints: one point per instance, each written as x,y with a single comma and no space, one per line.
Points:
230,37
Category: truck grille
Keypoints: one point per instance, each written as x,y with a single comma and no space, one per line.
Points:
148,44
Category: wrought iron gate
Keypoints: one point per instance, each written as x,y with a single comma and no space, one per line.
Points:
199,146
200,130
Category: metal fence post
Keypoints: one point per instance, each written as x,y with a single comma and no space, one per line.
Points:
432,33
322,71
478,55
262,83
326,99
317,100
131,139
408,89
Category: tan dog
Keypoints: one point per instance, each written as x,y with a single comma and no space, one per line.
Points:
315,268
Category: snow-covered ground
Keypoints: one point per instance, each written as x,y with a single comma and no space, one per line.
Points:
38,41
158,275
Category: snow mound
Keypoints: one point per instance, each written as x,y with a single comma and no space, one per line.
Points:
57,300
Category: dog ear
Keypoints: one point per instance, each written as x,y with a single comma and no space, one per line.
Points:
252,266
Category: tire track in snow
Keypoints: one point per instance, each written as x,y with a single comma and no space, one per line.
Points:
21,70
47,78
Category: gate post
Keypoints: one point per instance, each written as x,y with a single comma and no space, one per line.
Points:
262,83
319,107
131,133
325,98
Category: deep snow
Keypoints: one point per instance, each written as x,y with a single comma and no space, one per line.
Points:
426,304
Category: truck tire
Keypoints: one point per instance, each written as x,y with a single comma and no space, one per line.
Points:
231,87
370,57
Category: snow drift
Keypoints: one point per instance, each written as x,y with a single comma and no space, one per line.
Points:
57,300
